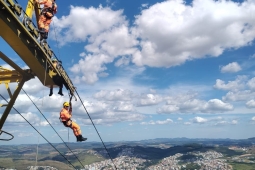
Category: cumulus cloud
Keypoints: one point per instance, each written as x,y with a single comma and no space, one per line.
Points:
105,29
237,84
250,104
199,120
30,117
234,122
111,117
187,123
117,95
158,122
195,105
97,20
149,99
251,84
222,123
239,96
231,68
124,107
188,32
216,105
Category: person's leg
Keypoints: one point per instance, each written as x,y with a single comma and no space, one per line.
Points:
51,90
77,132
60,90
60,84
41,25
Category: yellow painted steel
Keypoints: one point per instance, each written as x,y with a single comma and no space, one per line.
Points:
22,37
18,37
30,8
18,30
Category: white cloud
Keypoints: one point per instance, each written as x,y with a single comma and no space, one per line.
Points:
158,122
124,107
168,109
109,42
195,105
25,135
250,104
231,68
238,96
86,69
167,121
216,105
207,28
222,123
105,29
149,99
237,84
186,33
83,22
116,95
187,123
234,122
251,84
253,118
122,61
17,118
199,120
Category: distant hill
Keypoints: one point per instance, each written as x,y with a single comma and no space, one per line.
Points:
154,149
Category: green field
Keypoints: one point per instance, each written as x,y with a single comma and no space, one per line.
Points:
242,166
43,160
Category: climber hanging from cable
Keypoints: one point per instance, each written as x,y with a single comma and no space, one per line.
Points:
47,13
65,118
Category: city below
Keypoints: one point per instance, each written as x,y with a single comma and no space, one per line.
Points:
156,154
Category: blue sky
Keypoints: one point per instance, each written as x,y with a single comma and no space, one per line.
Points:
147,69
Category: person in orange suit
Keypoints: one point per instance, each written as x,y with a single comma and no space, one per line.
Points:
65,117
47,13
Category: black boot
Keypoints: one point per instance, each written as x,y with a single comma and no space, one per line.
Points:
77,137
80,138
60,92
51,92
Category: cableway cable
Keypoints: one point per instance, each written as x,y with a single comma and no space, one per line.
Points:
53,128
40,134
85,108
96,129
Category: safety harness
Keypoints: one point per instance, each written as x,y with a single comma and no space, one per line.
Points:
68,123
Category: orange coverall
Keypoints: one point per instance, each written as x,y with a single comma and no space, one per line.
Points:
65,116
46,17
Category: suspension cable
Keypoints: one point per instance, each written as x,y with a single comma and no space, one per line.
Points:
85,107
53,127
40,133
96,129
